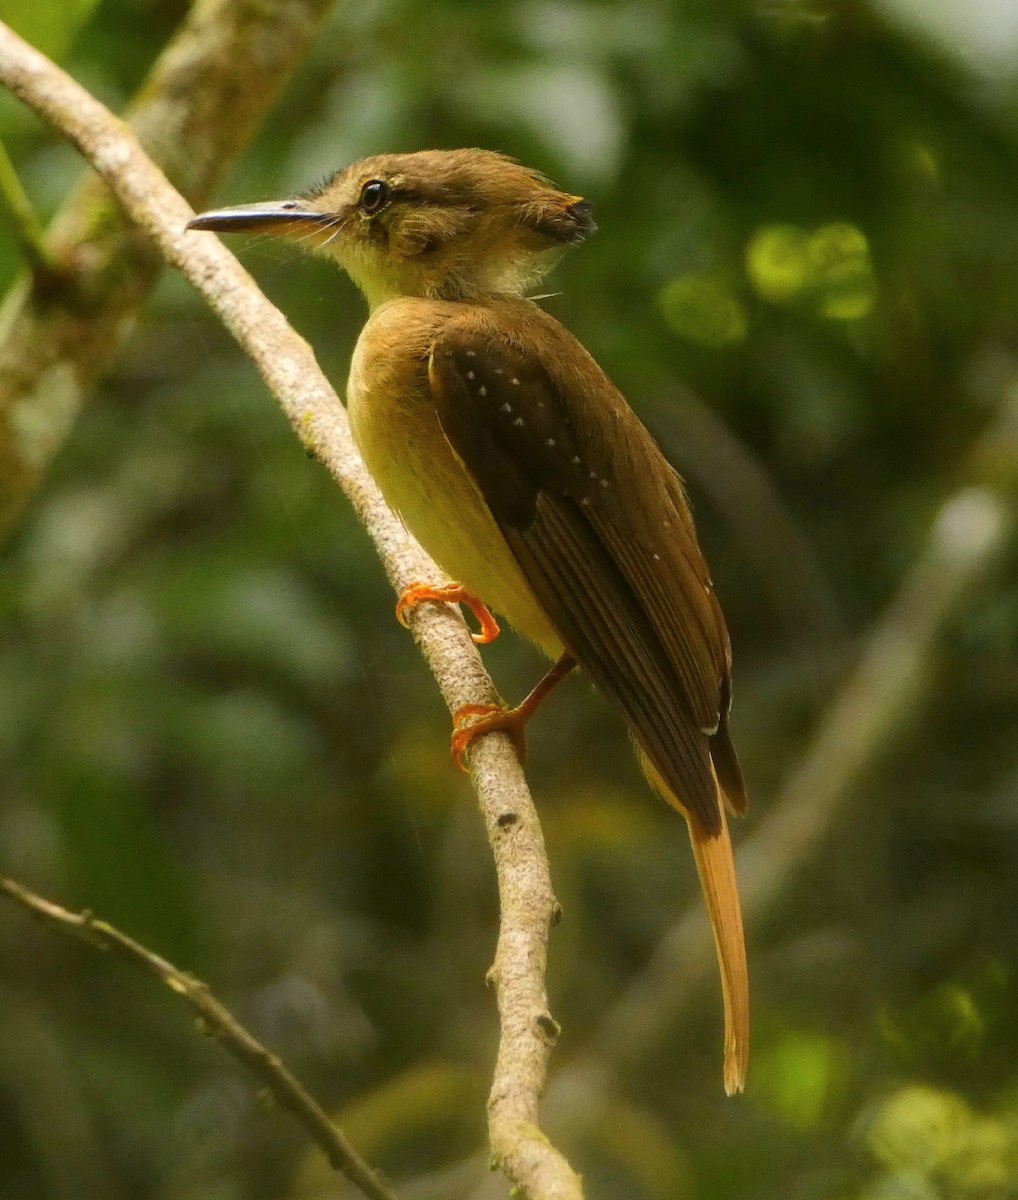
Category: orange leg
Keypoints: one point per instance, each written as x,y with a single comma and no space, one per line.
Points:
489,717
448,593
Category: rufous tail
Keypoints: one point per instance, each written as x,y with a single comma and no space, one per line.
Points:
716,866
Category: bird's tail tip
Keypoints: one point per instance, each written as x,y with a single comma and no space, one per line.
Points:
716,865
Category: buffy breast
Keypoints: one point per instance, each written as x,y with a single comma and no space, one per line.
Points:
397,431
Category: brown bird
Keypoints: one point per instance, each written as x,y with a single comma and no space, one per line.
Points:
520,467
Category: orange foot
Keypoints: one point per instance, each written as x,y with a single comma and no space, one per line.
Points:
490,717
487,718
448,593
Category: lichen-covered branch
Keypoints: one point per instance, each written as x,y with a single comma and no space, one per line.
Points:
218,1022
287,364
62,327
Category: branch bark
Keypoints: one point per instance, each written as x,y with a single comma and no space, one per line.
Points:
63,324
285,361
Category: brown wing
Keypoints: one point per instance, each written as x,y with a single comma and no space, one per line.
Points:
599,523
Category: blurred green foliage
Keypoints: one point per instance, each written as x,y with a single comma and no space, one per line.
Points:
213,733
50,25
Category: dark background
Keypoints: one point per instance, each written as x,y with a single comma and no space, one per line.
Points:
213,732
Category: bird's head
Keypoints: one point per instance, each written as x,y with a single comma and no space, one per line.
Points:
446,224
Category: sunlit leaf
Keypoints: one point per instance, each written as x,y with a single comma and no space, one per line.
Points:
918,1128
778,261
842,273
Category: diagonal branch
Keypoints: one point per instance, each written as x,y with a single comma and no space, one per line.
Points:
288,366
220,1023
64,324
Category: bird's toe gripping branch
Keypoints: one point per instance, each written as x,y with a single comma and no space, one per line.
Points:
448,593
472,720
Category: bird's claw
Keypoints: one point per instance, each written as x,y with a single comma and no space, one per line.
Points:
473,720
447,593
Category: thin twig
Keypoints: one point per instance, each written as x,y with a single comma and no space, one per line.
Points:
27,226
220,1023
288,366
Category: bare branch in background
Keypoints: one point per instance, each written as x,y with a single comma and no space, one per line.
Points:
218,1021
706,450
288,366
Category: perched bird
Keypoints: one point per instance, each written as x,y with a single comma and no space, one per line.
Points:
521,469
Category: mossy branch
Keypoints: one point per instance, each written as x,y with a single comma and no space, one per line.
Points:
63,326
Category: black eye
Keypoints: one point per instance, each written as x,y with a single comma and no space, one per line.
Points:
374,195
